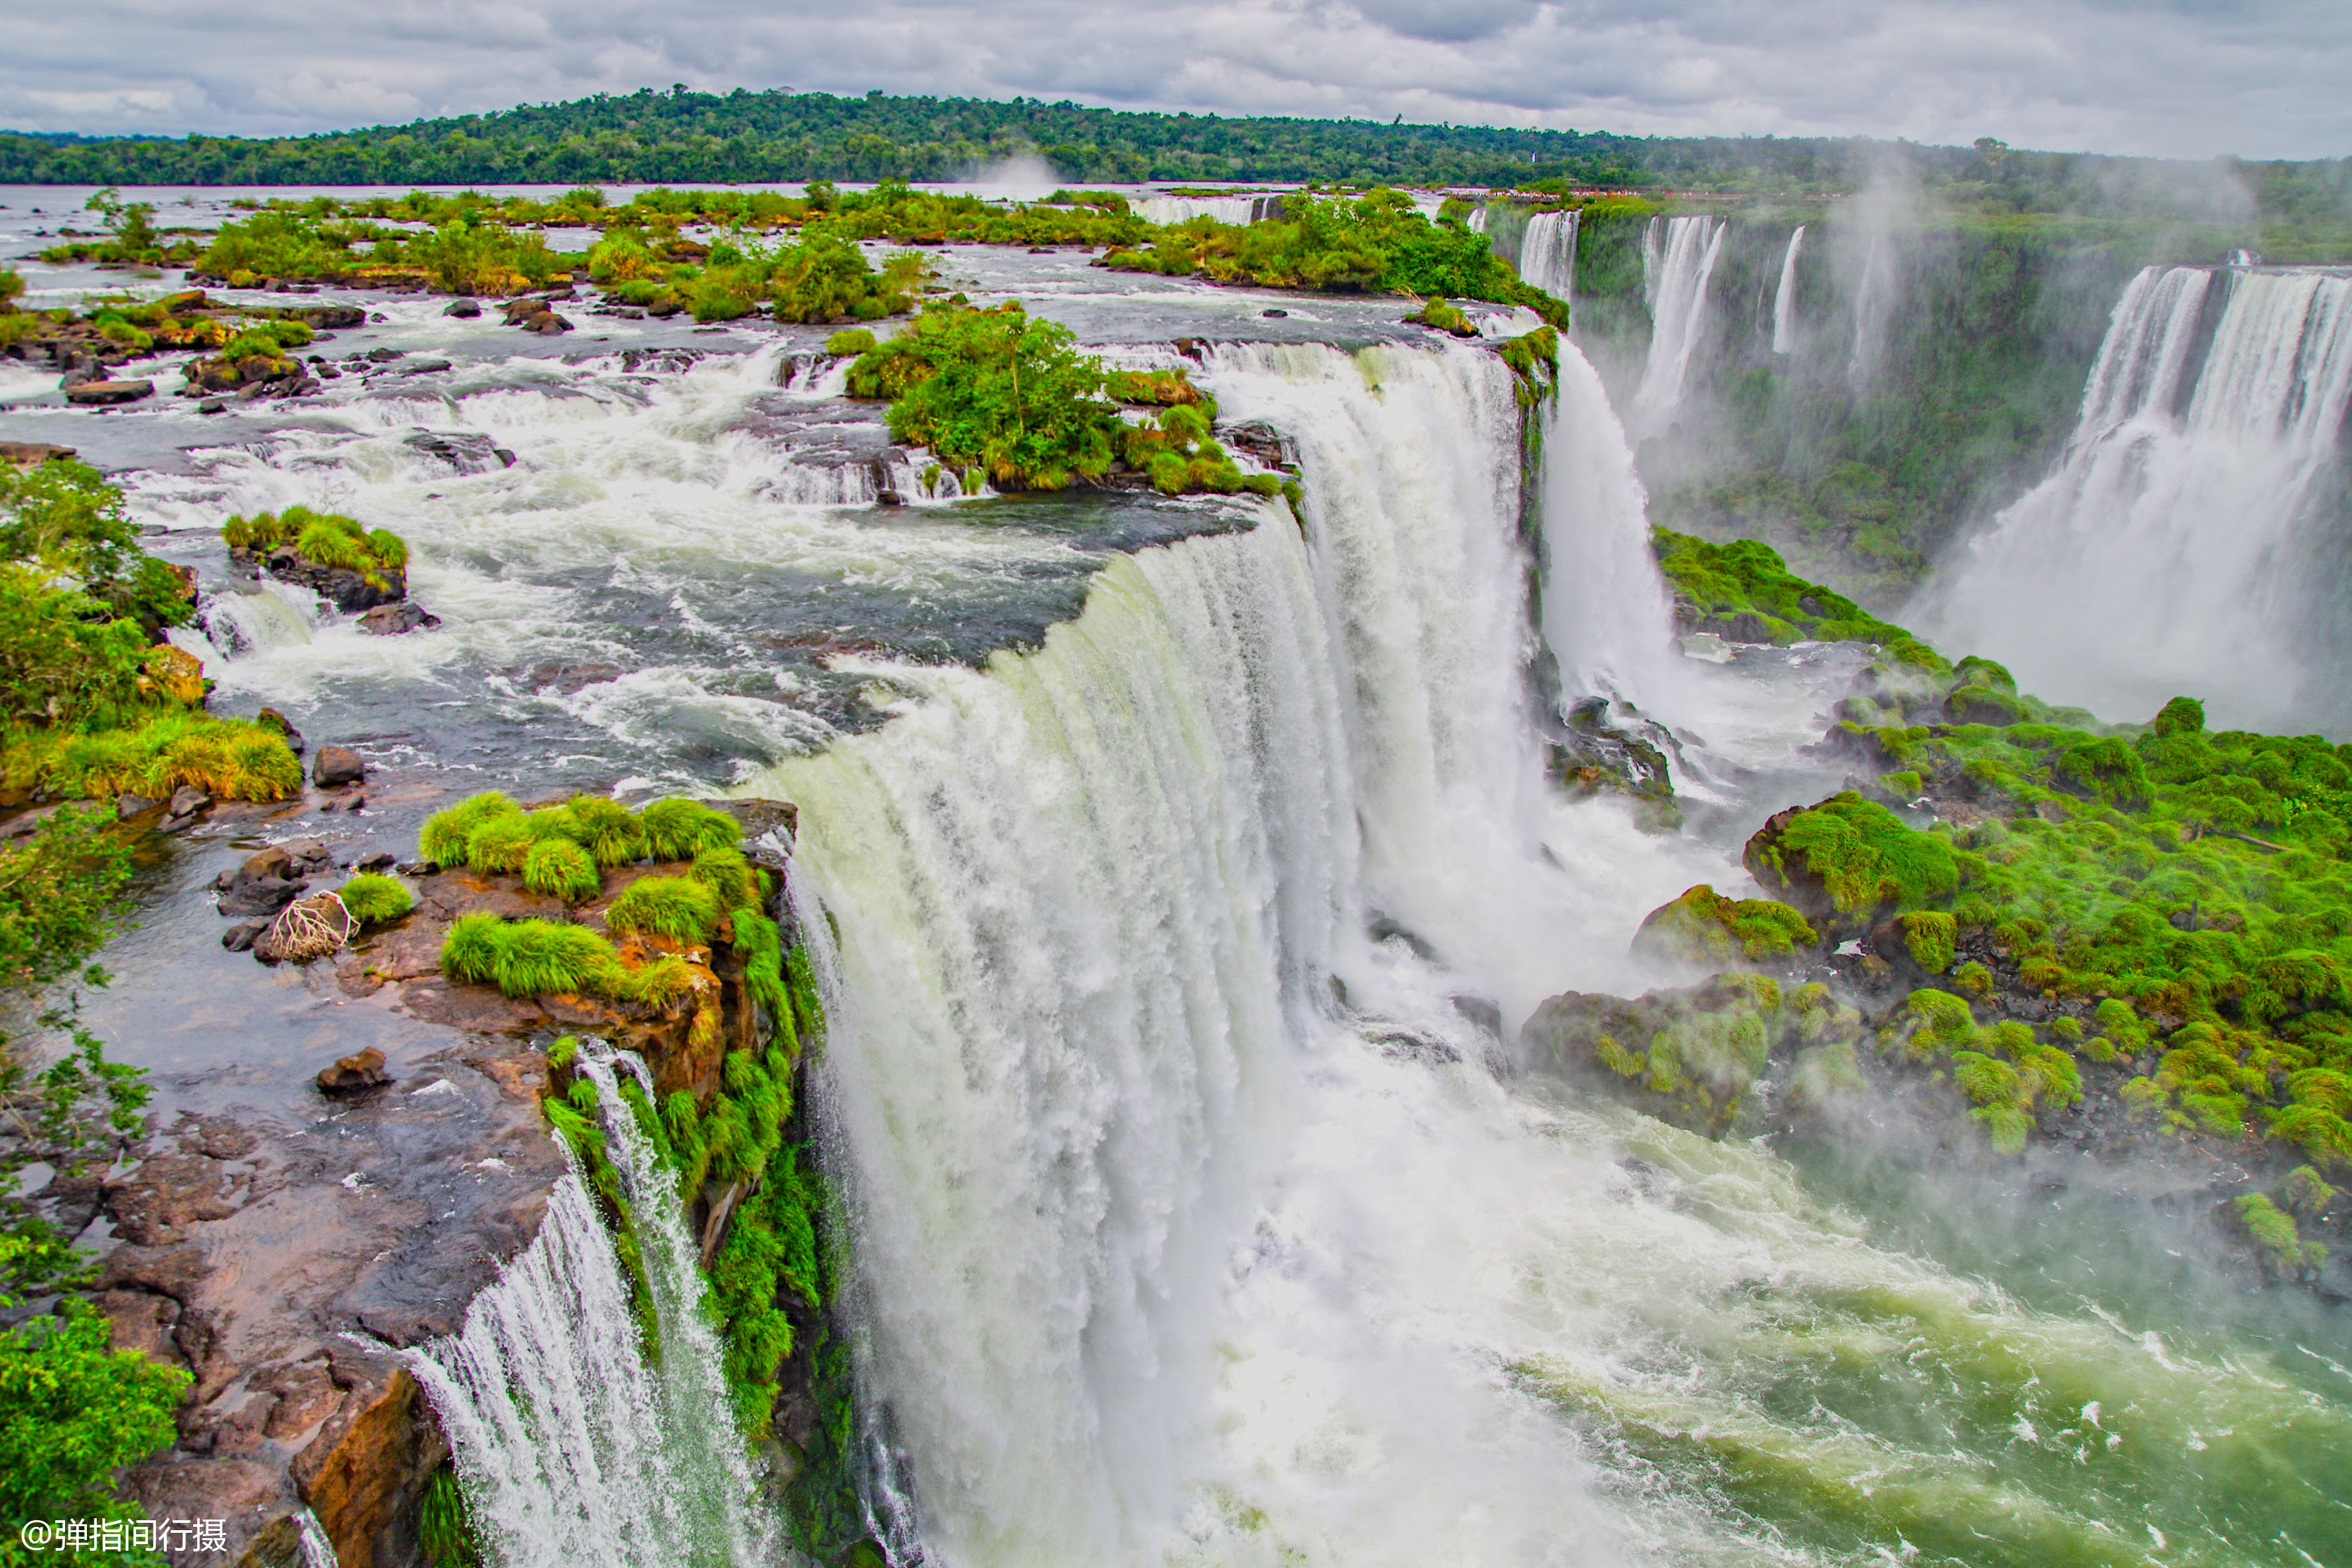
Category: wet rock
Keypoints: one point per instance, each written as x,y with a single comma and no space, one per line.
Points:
23,825
567,679
240,937
187,800
466,451
31,454
468,309
394,620
212,406
326,317
261,896
104,393
380,861
420,869
349,592
337,765
1274,314
348,1075
129,805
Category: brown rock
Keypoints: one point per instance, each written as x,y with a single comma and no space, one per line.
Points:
337,765
31,454
187,800
142,1321
99,394
371,1459
156,1202
352,1073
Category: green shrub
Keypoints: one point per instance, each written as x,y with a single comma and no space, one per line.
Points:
500,844
559,867
679,829
526,958
731,878
676,907
470,952
330,540
608,830
1863,855
445,834
850,341
374,900
228,759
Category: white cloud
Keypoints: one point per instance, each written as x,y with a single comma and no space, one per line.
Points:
2261,77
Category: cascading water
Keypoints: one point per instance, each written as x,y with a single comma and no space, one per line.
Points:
1678,257
574,1441
1547,252
1784,299
2174,547
1238,209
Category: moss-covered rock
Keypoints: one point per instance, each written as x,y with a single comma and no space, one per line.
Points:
1692,1056
1705,929
1847,859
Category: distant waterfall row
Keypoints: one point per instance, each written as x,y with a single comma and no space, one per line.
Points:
2177,546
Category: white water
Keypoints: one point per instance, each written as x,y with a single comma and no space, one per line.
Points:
2172,551
1605,605
1784,299
1547,252
1224,209
572,1448
1084,1038
1678,257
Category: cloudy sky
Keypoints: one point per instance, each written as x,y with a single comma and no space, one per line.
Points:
2187,77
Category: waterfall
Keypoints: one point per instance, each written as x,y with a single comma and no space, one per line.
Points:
1606,611
1547,253
1678,255
1236,209
572,1448
2176,546
1092,930
1784,300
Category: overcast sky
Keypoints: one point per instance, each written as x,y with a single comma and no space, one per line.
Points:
2189,79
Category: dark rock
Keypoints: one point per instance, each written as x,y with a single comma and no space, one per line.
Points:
187,800
506,458
380,861
383,356
567,679
129,805
262,895
466,451
466,307
1274,313
352,1073
102,394
420,869
212,406
30,454
391,620
547,323
349,592
240,937
337,765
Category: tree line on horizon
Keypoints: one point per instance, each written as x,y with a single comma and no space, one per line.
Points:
745,137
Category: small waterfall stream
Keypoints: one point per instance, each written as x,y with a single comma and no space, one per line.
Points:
1678,257
2176,546
1547,252
574,1445
1784,297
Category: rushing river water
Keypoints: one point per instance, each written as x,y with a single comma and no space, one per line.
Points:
1172,869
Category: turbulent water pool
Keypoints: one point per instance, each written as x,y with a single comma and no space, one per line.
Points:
1171,866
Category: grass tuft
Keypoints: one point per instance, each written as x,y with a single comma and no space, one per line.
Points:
373,898
676,907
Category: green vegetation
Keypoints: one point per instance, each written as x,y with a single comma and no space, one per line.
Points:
563,867
94,702
1745,592
1704,927
1005,397
374,900
678,907
72,1410
679,829
325,539
1847,859
1375,243
444,1527
445,834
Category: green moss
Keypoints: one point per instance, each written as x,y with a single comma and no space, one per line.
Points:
676,907
2276,1237
1852,856
444,1528
1929,937
228,759
1704,927
374,900
731,878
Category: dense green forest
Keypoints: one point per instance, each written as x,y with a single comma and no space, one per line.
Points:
742,136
